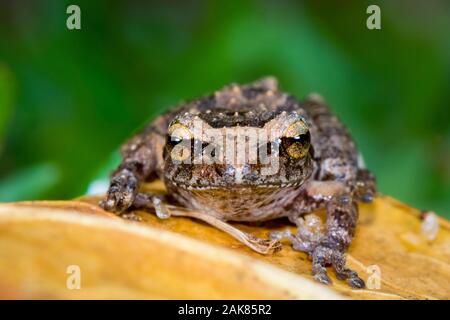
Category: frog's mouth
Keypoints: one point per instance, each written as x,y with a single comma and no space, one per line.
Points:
248,176
246,186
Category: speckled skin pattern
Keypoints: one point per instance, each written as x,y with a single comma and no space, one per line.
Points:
318,168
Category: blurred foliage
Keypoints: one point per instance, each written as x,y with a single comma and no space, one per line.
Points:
68,99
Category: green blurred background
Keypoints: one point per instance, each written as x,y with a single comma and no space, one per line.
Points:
68,99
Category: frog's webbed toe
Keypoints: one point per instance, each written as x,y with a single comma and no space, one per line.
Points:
131,216
152,201
297,243
323,256
120,201
323,250
263,246
338,262
320,258
304,242
320,255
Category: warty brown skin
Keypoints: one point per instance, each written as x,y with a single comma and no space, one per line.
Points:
325,172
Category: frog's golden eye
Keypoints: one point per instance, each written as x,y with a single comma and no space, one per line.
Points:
179,142
178,132
296,129
296,147
296,140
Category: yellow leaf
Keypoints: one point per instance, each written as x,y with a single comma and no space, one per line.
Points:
180,258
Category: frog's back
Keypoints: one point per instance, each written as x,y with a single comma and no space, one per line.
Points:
250,105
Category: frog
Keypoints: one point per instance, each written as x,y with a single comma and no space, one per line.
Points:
252,153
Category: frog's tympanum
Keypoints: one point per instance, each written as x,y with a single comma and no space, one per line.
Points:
253,153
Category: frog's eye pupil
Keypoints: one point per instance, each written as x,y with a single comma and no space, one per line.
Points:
177,133
173,140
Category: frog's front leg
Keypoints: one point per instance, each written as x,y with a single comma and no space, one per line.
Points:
137,165
163,210
342,215
326,246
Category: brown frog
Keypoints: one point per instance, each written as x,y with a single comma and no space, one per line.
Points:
253,153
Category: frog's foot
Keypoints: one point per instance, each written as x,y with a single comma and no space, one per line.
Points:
297,243
148,201
322,256
114,203
338,262
152,201
263,246
121,193
131,216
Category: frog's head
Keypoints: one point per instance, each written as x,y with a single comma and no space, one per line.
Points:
242,152
243,148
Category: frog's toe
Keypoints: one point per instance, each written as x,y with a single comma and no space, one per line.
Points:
121,194
264,246
321,256
356,282
352,278
367,197
131,216
338,262
274,245
323,277
117,202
